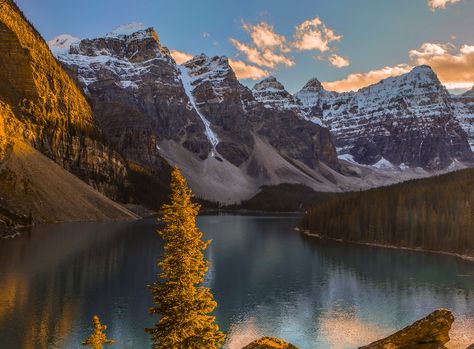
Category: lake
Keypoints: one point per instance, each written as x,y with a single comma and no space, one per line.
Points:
267,278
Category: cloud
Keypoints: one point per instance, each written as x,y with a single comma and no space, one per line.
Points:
205,35
355,81
180,57
267,49
313,34
242,70
339,61
264,36
246,71
440,4
266,58
453,65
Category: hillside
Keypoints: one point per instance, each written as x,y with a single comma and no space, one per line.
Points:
48,137
434,214
52,113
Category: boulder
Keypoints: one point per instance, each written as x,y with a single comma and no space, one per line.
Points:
269,343
431,332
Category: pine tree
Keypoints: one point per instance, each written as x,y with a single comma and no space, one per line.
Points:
182,303
98,338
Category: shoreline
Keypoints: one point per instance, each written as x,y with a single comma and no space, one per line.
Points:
393,247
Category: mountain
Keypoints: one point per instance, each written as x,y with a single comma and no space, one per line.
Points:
230,140
464,111
407,121
44,113
197,116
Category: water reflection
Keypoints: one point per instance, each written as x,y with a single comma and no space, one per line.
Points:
267,279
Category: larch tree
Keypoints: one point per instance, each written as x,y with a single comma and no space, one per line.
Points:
182,303
98,338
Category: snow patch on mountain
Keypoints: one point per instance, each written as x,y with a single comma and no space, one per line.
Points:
126,29
187,81
61,43
273,95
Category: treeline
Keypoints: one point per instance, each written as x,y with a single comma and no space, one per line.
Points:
282,198
434,214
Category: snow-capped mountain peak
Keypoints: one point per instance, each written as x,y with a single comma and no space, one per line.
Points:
269,83
313,85
126,30
61,43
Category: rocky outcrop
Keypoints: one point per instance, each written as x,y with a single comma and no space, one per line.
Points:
136,93
52,113
269,343
431,332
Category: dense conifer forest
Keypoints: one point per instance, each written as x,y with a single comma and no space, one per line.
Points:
434,214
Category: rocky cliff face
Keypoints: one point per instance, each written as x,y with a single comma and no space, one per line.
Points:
405,121
464,113
196,115
52,113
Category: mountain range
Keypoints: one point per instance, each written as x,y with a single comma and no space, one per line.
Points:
229,140
117,112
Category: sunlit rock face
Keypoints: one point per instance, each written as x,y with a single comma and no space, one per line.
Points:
409,120
50,110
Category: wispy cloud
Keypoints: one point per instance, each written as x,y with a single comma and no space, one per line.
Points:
242,70
355,81
440,4
453,65
246,71
265,58
267,49
313,34
180,57
339,61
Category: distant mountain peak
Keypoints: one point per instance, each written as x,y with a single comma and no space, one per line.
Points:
269,83
61,43
313,85
127,29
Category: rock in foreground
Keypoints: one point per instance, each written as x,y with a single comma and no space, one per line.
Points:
431,332
269,343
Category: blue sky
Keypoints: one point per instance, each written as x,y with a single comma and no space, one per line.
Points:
370,34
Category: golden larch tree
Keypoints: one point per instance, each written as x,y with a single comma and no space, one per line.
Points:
98,338
181,301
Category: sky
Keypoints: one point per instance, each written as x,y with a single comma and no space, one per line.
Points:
346,44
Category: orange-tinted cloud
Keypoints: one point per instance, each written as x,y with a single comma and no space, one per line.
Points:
454,66
313,34
264,36
440,4
267,49
180,57
242,70
339,61
355,81
263,57
246,71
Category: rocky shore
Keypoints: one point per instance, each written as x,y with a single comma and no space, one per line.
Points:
430,332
